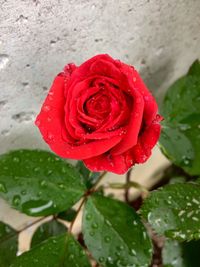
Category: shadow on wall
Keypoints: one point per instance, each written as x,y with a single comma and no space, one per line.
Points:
22,136
156,76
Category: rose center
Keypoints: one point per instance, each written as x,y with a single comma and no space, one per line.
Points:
98,106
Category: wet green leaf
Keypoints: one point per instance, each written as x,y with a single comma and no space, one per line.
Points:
8,244
38,183
174,211
114,233
68,215
59,251
46,230
195,68
89,177
180,138
177,254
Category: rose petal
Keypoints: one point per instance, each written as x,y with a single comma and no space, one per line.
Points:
105,68
134,125
106,162
142,151
50,121
150,106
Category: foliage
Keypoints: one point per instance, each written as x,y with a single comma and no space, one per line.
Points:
180,138
38,183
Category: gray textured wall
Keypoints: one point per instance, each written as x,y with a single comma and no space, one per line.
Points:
160,38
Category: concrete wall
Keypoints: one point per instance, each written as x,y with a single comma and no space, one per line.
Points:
38,37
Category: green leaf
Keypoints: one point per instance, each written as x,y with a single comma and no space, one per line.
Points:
114,233
195,68
46,230
89,177
68,215
177,254
38,183
59,251
8,244
174,211
180,138
172,254
177,179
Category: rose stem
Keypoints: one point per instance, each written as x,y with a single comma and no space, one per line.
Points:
23,228
89,192
128,179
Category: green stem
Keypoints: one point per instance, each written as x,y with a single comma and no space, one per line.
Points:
128,179
77,213
23,229
128,185
98,181
89,192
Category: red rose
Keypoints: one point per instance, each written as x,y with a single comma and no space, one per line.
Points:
102,113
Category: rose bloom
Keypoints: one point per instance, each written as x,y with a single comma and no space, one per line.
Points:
100,112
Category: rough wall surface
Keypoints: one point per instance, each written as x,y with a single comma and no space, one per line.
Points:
38,37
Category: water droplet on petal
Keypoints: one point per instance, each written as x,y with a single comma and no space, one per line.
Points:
46,108
37,123
50,137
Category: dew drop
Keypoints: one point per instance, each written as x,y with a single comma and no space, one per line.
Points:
133,252
117,253
95,225
107,239
110,260
36,169
63,170
91,233
135,223
43,183
24,192
49,119
107,222
184,127
71,257
37,123
88,217
16,200
50,137
16,159
46,108
3,188
61,186
121,247
16,178
49,172
101,259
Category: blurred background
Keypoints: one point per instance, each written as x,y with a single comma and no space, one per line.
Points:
161,38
